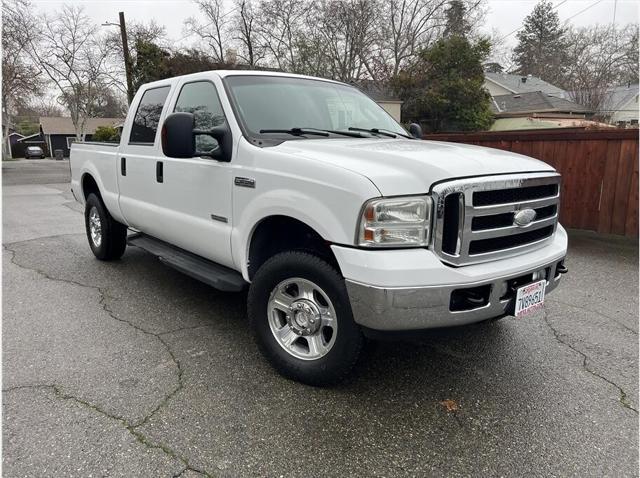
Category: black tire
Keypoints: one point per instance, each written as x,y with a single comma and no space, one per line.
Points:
113,240
329,369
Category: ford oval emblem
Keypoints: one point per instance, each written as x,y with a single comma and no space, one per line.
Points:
524,218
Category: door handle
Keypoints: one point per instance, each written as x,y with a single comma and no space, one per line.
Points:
159,172
123,166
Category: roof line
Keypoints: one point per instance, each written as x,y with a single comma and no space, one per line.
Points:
500,84
30,136
493,98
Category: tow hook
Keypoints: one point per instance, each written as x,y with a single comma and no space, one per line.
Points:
562,269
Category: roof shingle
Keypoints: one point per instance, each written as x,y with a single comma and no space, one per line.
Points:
532,83
535,102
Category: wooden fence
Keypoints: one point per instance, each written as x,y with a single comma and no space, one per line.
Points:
599,171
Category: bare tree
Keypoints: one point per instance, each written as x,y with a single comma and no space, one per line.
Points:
43,105
281,28
215,31
501,53
598,58
245,25
348,32
405,27
21,80
74,59
629,60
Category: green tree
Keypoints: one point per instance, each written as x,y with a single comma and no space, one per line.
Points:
542,44
150,63
27,127
190,61
106,133
444,90
456,21
154,63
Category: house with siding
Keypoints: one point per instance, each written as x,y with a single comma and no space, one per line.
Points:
620,105
57,132
537,110
383,95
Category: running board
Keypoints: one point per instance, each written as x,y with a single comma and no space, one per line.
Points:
204,270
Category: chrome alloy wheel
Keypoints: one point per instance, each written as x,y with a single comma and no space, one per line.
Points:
302,318
95,227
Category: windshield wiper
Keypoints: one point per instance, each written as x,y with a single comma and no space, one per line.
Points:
296,131
317,131
383,132
351,134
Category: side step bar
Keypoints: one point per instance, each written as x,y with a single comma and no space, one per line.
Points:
204,270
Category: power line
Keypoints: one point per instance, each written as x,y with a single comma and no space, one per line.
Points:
583,10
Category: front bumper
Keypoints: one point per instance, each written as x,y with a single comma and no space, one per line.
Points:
398,305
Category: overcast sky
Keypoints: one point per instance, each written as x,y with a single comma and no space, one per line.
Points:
503,15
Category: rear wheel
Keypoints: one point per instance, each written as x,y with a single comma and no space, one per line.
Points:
301,316
107,237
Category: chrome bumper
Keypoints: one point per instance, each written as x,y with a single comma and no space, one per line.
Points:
429,307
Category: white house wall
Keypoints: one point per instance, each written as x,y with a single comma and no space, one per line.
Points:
627,112
392,107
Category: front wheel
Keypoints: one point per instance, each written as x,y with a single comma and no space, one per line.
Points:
301,316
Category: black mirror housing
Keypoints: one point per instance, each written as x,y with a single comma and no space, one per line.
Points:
178,140
415,130
222,134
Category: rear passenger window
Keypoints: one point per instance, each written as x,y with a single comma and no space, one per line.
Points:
201,99
145,122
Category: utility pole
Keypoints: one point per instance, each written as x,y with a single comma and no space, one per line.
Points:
127,57
125,52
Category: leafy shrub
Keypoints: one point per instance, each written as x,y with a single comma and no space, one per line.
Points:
106,133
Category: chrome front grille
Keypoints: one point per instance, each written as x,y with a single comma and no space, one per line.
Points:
475,217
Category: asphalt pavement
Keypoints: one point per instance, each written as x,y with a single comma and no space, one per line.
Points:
130,368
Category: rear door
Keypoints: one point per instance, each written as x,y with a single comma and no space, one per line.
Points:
139,188
195,199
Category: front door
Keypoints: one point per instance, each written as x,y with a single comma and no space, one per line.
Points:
195,203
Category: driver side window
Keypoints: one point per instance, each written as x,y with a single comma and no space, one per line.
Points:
201,99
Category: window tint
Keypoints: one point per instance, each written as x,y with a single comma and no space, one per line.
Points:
201,99
145,123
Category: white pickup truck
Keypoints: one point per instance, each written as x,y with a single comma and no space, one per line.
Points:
338,222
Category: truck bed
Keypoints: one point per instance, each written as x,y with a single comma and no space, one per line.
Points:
101,161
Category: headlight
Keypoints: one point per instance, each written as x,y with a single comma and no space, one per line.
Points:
396,222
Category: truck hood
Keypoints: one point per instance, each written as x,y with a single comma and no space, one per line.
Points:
399,166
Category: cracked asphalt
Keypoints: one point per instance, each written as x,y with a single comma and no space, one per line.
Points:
132,369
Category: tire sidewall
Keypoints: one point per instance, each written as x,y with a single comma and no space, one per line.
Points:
340,359
99,251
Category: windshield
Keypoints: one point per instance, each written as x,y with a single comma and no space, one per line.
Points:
283,103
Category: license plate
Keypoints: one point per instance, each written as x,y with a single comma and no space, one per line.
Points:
530,298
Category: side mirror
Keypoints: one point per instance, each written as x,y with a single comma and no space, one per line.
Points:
178,138
222,134
415,130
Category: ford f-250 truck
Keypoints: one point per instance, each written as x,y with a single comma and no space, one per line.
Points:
310,195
